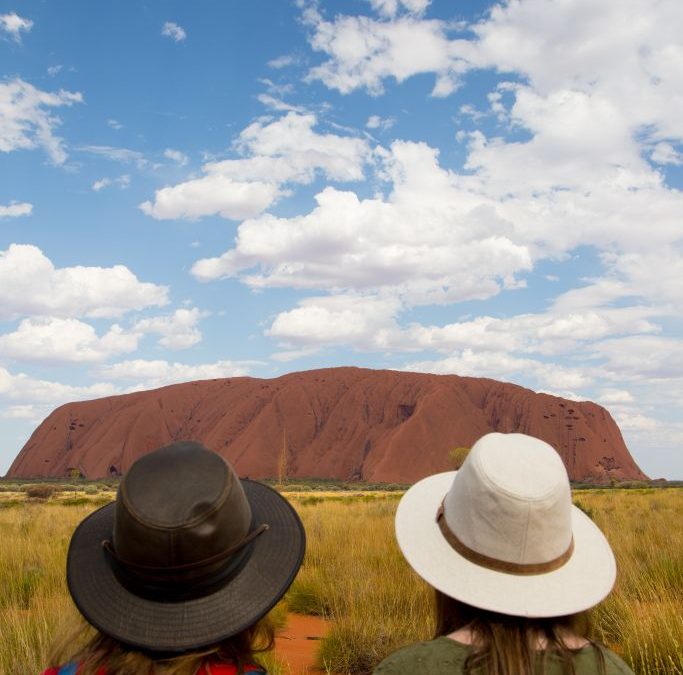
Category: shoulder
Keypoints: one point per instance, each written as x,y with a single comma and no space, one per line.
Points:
439,655
613,664
585,662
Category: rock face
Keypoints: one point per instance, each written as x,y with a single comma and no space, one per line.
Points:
345,423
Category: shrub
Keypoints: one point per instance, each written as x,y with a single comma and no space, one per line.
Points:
40,491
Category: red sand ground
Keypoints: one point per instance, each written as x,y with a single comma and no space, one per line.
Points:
343,423
297,643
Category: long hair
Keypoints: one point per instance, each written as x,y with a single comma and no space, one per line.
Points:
509,645
95,650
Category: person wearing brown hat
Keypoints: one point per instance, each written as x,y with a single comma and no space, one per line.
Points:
177,575
514,566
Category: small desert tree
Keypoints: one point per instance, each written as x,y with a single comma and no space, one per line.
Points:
457,456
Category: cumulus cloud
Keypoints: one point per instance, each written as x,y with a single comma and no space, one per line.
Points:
274,152
24,389
55,340
506,367
30,285
213,194
178,330
14,25
16,209
349,320
364,52
406,245
150,374
25,119
174,31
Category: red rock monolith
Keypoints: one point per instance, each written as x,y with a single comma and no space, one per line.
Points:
343,423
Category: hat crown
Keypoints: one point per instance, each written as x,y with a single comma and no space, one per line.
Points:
178,505
511,500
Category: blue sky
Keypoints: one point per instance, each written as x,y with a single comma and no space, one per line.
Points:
196,190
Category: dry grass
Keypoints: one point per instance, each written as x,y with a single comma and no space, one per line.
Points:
355,575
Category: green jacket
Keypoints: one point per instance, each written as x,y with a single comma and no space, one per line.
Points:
444,655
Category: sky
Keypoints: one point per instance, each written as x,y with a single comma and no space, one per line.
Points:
215,189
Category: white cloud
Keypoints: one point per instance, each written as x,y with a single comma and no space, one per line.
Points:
122,181
283,61
54,70
619,396
21,412
364,52
25,119
15,209
176,156
381,123
55,340
212,195
390,8
174,31
277,152
101,184
28,390
504,366
152,374
665,153
14,25
178,330
277,104
350,320
115,124
628,421
123,155
30,285
405,246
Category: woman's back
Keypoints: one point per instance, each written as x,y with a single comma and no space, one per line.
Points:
444,655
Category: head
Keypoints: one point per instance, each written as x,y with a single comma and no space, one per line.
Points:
187,561
503,545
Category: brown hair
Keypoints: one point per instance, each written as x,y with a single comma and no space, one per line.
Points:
101,651
509,645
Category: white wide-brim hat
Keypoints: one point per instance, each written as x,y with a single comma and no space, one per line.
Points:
502,534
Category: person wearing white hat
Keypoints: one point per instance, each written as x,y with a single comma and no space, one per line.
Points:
513,563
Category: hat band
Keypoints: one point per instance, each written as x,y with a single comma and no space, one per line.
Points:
521,569
175,583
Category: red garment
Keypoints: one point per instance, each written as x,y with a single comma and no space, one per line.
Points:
216,669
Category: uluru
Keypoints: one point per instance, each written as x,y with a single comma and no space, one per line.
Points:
343,423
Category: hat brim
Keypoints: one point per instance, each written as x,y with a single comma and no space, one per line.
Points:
582,582
180,626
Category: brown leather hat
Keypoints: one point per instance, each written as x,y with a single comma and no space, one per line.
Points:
188,554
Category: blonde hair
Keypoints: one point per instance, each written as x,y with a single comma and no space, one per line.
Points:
94,650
